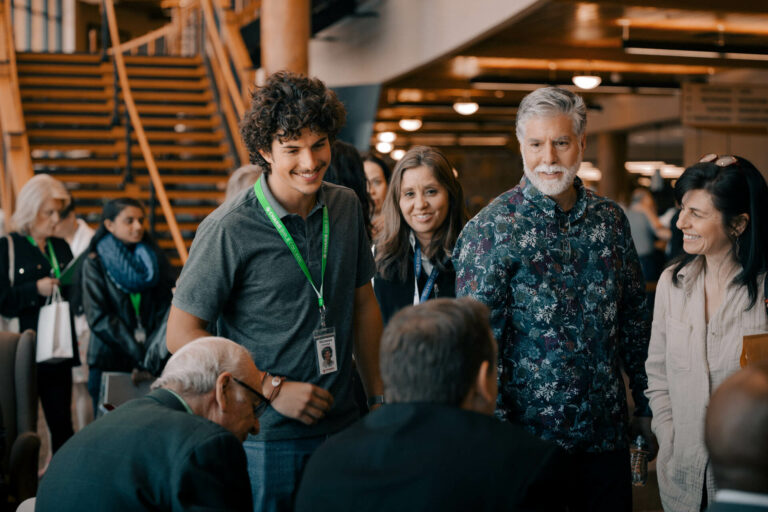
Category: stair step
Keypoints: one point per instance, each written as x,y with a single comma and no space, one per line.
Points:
64,81
199,211
166,243
175,72
209,195
70,70
106,163
87,135
68,121
52,106
90,179
170,84
90,58
132,60
119,147
64,94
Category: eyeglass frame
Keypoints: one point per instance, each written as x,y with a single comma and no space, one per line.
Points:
258,409
718,160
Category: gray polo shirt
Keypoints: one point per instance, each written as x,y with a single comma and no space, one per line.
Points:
241,273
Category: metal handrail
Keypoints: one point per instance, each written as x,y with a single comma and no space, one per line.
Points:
141,136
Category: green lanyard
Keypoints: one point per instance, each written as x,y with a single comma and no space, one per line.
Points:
136,301
51,256
288,239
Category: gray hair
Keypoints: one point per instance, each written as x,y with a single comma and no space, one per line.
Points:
242,178
551,101
33,194
432,352
194,368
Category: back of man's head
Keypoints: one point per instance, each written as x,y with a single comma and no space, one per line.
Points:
194,368
433,352
737,430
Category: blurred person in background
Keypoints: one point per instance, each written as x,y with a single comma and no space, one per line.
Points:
241,179
346,169
706,302
78,235
39,258
377,174
648,233
127,282
423,215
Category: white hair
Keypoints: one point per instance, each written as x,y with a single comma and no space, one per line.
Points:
551,101
33,194
194,368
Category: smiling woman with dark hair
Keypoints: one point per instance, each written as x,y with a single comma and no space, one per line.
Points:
706,302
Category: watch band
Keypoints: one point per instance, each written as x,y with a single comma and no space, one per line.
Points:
375,400
276,382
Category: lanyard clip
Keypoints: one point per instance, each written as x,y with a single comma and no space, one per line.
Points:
323,315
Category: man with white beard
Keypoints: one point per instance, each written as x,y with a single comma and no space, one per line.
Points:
556,265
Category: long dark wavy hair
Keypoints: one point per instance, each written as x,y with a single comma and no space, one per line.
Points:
736,189
392,244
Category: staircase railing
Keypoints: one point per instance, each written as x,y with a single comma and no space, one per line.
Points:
141,136
16,165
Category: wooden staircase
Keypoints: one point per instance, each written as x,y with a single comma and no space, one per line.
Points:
76,134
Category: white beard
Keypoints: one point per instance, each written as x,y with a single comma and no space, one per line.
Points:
549,187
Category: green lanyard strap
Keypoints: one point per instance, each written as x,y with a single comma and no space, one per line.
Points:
136,301
288,239
52,261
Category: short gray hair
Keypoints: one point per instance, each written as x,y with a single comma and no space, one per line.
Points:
432,352
33,194
194,368
551,101
242,178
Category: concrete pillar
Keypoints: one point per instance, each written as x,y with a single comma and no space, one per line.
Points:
285,28
611,155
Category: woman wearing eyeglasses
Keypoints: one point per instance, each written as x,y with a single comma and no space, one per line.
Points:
423,215
706,301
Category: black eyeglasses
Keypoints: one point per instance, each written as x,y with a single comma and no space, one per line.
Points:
261,406
720,161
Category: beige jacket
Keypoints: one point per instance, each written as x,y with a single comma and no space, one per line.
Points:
687,361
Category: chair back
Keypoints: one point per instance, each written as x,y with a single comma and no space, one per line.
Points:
18,386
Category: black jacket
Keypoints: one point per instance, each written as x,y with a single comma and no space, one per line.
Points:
112,319
22,299
395,295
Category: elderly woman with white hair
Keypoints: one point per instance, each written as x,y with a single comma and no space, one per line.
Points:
38,259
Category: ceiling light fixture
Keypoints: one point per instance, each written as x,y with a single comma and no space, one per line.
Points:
397,154
410,125
386,137
384,147
586,81
466,108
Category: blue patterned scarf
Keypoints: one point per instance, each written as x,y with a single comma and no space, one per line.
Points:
132,269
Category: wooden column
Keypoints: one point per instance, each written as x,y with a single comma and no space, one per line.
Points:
611,155
285,28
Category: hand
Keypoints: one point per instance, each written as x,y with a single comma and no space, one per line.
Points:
641,425
139,376
46,285
303,401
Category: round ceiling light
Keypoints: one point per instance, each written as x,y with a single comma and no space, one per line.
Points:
586,81
384,147
397,154
466,108
386,137
410,125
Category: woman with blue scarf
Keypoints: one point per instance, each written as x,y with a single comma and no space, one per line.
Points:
127,283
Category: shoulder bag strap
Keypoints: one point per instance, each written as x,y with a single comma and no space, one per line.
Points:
11,262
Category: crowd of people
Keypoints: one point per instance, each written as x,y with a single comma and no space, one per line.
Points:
326,280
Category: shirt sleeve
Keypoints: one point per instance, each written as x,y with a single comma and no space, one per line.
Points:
656,365
634,321
208,276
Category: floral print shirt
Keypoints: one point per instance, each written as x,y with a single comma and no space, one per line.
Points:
569,311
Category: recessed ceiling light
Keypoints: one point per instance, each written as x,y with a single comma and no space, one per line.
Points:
466,108
386,137
397,154
410,125
384,147
586,81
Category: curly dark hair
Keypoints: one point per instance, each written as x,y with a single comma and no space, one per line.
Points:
287,104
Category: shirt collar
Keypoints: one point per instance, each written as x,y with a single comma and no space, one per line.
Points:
275,204
741,497
183,402
549,206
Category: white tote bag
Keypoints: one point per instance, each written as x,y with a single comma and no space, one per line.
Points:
54,331
10,324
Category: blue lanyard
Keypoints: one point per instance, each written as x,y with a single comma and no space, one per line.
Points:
417,272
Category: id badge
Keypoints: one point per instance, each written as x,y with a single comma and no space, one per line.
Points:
325,346
140,335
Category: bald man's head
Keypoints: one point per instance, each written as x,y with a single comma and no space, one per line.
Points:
737,430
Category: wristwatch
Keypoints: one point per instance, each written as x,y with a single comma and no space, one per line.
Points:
276,382
375,400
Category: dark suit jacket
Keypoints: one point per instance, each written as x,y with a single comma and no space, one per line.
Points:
428,457
148,454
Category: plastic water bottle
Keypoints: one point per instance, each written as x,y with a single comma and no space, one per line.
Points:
639,461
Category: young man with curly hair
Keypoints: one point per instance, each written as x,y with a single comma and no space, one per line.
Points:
284,269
